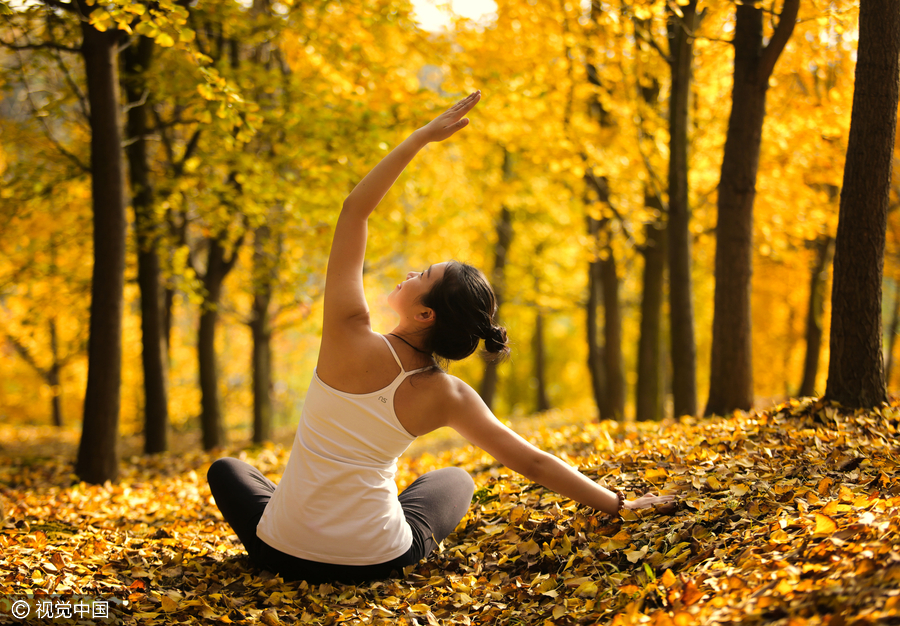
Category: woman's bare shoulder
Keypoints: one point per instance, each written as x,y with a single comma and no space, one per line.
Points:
448,393
358,365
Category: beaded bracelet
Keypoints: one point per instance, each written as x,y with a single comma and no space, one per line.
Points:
621,498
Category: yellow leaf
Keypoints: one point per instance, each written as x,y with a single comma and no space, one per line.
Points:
824,525
634,556
529,547
739,489
588,589
610,545
834,508
100,19
168,604
668,578
269,618
420,608
165,40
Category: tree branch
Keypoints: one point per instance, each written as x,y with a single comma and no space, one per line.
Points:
646,37
73,85
189,150
26,356
779,40
599,185
43,120
59,4
46,45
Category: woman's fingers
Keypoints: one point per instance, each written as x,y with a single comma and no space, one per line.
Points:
667,508
451,120
469,101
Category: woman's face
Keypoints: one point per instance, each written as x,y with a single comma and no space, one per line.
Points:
406,297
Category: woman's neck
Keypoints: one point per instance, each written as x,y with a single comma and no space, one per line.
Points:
413,340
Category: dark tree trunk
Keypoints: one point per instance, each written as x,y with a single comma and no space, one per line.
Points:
137,60
260,327
168,304
731,371
681,305
542,401
856,369
649,397
603,286
612,337
98,456
595,349
816,310
262,370
504,231
53,379
211,414
892,333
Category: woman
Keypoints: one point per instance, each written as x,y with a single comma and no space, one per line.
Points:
336,514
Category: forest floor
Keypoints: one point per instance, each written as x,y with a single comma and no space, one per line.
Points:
789,516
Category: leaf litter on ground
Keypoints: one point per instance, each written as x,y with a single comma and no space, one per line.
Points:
789,516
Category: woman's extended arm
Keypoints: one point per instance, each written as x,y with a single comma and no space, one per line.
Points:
344,297
474,421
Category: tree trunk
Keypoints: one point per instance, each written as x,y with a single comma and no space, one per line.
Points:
137,60
595,349
262,339
681,305
612,337
603,284
262,370
53,379
892,332
168,305
542,401
816,310
98,456
498,280
649,397
211,413
731,371
855,370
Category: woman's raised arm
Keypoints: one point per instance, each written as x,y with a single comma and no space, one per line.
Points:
344,297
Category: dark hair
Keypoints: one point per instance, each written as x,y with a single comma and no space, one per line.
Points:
464,306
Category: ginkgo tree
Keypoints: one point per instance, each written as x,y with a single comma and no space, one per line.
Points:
95,33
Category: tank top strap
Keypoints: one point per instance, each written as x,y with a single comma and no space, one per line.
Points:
394,352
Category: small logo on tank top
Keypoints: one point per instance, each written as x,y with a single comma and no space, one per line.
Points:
383,399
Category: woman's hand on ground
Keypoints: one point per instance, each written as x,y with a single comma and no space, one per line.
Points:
451,120
663,504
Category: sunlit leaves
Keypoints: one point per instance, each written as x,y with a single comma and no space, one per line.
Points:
812,536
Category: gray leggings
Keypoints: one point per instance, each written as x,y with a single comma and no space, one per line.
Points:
433,505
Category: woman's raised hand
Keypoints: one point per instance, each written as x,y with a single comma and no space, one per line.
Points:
451,120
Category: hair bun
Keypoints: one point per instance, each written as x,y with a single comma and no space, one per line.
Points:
496,342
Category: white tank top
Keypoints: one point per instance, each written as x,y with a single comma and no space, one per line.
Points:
337,500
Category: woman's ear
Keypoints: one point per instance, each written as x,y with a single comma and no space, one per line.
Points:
425,316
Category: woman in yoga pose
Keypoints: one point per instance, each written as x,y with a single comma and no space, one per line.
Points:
336,514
